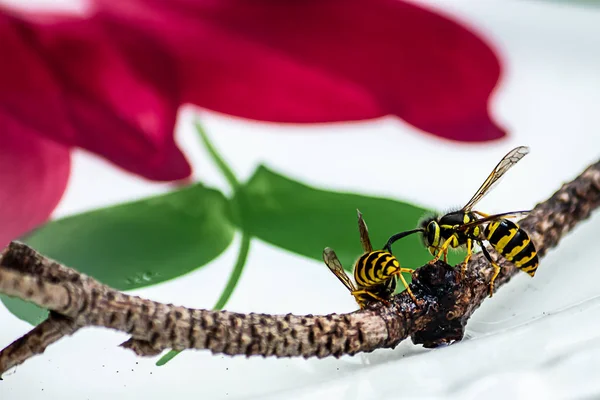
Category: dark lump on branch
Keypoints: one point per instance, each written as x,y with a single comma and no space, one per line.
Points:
437,286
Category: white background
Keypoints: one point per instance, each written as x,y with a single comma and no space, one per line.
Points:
535,337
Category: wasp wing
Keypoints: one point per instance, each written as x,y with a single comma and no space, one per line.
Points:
507,162
365,241
495,217
335,266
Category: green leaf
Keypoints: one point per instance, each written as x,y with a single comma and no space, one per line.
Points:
138,244
305,220
25,310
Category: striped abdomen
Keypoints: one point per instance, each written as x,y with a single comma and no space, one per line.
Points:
375,268
383,290
513,243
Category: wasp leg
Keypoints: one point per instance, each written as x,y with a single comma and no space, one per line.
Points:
361,302
408,271
373,295
496,268
463,270
443,250
484,215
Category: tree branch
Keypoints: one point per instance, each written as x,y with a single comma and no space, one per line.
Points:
444,302
55,327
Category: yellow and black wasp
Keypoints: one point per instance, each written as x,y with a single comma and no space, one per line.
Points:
375,271
465,227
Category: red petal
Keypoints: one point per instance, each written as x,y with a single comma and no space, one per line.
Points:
33,176
325,60
106,96
28,91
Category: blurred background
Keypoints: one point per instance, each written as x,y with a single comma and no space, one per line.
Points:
412,101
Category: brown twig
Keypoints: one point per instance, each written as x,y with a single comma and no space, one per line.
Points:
55,327
444,302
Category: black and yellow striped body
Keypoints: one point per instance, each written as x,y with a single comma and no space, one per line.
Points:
510,241
377,272
513,243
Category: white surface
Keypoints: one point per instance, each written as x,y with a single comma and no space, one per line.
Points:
535,337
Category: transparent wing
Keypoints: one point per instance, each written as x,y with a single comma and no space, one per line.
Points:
507,162
335,266
364,234
495,217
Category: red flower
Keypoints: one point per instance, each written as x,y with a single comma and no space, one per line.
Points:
65,82
323,60
111,81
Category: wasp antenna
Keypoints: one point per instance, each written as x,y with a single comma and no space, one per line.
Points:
398,236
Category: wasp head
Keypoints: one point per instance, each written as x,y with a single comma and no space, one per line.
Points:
431,230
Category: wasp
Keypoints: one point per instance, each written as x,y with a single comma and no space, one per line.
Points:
375,271
465,227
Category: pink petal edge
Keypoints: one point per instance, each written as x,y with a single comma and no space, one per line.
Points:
34,173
